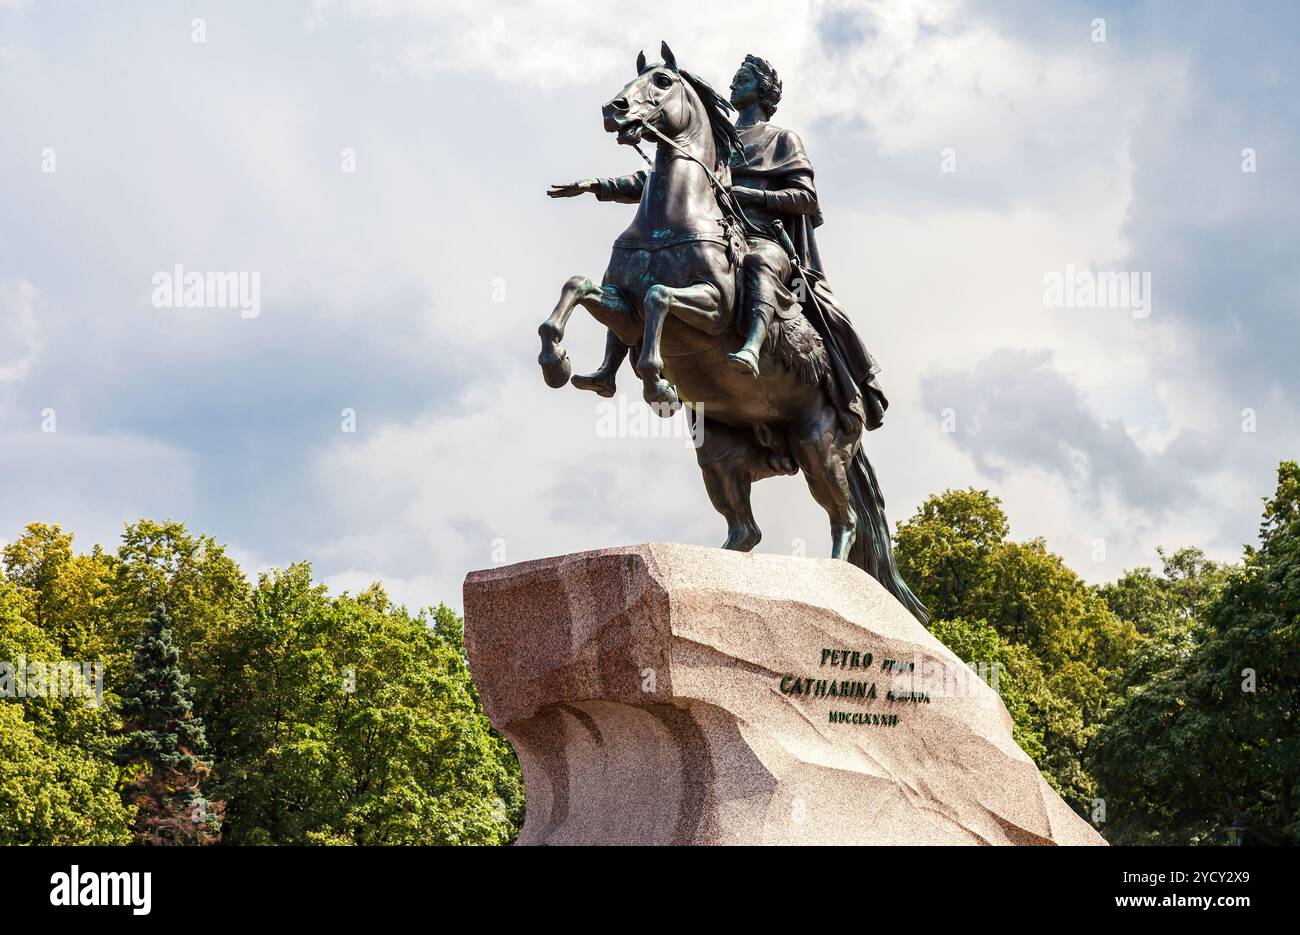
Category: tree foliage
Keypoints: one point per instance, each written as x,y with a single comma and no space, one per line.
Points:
1173,695
330,720
1061,650
1208,730
57,780
363,727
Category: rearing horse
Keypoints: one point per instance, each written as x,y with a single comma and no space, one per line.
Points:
669,293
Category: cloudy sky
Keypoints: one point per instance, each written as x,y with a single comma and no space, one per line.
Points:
409,290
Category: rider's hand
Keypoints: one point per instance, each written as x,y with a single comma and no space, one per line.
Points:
573,188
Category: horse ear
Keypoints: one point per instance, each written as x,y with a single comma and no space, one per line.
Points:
669,59
640,62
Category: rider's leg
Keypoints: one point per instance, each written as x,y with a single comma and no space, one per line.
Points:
763,268
757,320
602,381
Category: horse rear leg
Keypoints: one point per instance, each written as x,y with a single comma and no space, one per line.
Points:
699,306
731,459
824,452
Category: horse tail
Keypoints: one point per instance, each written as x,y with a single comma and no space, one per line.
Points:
872,550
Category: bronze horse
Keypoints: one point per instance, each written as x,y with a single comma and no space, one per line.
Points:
669,293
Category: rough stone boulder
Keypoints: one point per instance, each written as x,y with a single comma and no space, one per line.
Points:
671,694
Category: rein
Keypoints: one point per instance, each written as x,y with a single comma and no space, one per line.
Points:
726,200
730,207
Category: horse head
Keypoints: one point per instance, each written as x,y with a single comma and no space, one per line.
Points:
659,96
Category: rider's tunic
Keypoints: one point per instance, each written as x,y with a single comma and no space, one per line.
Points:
775,164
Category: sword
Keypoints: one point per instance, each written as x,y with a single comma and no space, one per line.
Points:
783,238
811,303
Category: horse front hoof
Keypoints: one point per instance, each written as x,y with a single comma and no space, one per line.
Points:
556,368
662,398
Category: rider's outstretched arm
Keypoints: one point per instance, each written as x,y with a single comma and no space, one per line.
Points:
625,189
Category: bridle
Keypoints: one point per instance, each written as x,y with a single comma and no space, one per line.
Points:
735,214
726,200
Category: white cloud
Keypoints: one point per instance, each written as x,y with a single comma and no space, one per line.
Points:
550,45
20,336
377,284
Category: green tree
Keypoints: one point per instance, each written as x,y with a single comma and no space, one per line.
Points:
1180,594
33,562
57,779
329,720
1208,730
202,587
945,551
1070,649
1167,608
68,592
1009,669
54,793
346,720
162,746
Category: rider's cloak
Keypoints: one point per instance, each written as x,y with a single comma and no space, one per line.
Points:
774,161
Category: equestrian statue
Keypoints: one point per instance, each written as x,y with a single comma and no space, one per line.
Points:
717,291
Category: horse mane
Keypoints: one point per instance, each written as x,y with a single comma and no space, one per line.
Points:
725,137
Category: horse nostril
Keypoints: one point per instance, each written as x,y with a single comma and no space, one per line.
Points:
619,103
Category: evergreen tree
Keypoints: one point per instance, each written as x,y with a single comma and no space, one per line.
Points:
161,750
